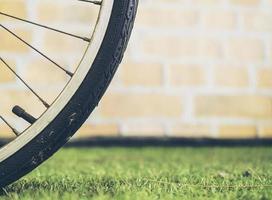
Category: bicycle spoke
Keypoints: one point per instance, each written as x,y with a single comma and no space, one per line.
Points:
8,124
46,27
24,82
41,128
94,2
35,49
17,110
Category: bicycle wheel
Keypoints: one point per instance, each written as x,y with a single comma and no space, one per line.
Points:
53,128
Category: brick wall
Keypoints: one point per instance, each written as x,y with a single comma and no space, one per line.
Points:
194,68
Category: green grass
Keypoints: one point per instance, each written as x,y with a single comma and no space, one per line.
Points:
150,173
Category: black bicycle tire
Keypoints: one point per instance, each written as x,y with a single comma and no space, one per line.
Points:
83,102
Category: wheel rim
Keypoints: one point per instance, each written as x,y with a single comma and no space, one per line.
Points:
84,66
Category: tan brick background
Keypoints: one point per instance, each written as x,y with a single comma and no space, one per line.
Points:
194,68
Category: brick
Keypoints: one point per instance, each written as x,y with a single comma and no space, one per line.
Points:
5,75
245,49
269,2
265,131
257,21
68,13
141,74
11,44
190,131
237,131
245,2
25,99
187,75
181,47
166,17
118,105
264,78
5,132
231,76
220,20
51,75
142,130
254,107
206,2
57,44
97,130
50,93
17,7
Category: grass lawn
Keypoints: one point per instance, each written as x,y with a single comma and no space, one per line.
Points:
150,173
